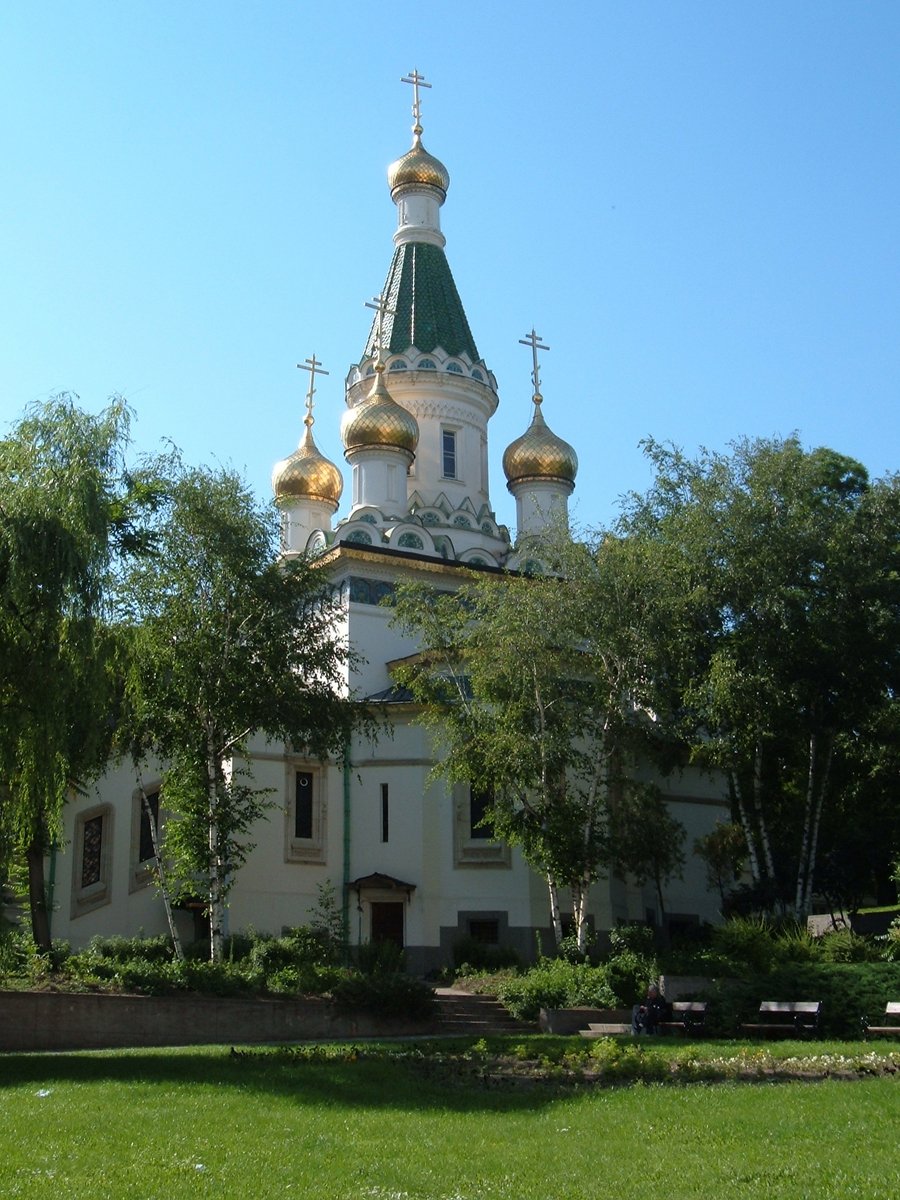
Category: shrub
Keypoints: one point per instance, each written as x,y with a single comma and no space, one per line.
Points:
470,955
555,983
848,991
380,958
124,949
386,995
745,942
631,963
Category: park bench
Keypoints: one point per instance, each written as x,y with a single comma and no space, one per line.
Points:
688,1016
785,1018
890,1026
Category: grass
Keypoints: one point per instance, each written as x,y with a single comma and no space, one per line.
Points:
382,1124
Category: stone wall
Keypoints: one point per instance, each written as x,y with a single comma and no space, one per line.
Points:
61,1021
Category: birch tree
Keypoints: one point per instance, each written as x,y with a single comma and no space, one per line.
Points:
540,690
793,558
227,640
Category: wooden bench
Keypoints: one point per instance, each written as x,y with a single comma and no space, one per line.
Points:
688,1016
785,1018
891,1022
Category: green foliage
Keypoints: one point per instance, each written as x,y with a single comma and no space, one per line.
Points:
380,958
385,994
631,963
555,983
327,921
68,512
792,643
534,686
848,991
227,639
471,955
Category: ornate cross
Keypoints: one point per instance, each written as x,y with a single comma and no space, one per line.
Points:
315,368
417,81
380,304
534,341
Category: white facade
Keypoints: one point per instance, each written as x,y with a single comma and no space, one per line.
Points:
397,844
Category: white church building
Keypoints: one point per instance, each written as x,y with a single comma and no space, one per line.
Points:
401,847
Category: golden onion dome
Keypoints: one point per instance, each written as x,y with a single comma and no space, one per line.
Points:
379,421
418,167
539,454
307,473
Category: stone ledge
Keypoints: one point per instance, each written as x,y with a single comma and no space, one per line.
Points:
32,1021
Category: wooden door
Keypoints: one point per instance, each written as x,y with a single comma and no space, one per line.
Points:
387,922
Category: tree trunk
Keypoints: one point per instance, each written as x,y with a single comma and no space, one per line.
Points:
758,812
555,915
216,903
37,895
749,834
161,876
821,789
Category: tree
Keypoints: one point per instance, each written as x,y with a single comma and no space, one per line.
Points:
647,841
227,640
793,558
68,508
541,690
724,850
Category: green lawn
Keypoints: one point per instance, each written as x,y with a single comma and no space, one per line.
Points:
161,1125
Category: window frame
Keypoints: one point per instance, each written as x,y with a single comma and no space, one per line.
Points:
87,897
299,849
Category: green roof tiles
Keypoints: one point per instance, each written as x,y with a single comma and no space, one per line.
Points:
424,308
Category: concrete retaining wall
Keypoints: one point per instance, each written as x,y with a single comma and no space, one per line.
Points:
61,1021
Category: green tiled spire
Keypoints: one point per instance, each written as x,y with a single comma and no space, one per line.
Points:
423,306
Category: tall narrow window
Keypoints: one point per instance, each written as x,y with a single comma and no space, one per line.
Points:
479,826
303,805
93,845
448,453
305,812
92,852
385,813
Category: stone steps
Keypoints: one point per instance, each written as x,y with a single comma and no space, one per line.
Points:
466,1014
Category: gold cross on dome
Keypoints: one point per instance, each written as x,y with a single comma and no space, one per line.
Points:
315,368
417,81
534,341
381,307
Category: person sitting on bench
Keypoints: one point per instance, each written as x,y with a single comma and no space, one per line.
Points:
653,1009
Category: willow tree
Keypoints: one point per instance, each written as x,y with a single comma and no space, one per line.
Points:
227,640
541,690
67,508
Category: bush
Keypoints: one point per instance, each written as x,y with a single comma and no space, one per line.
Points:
470,955
123,949
380,958
848,991
555,983
386,995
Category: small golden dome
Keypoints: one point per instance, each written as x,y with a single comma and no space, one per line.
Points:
417,166
307,473
379,421
539,454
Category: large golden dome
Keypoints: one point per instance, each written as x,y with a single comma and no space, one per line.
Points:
539,454
307,473
379,421
417,166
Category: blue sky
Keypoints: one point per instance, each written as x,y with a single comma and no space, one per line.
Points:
695,205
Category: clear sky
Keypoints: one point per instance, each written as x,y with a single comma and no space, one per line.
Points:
696,205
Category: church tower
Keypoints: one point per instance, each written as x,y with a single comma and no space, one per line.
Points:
421,354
